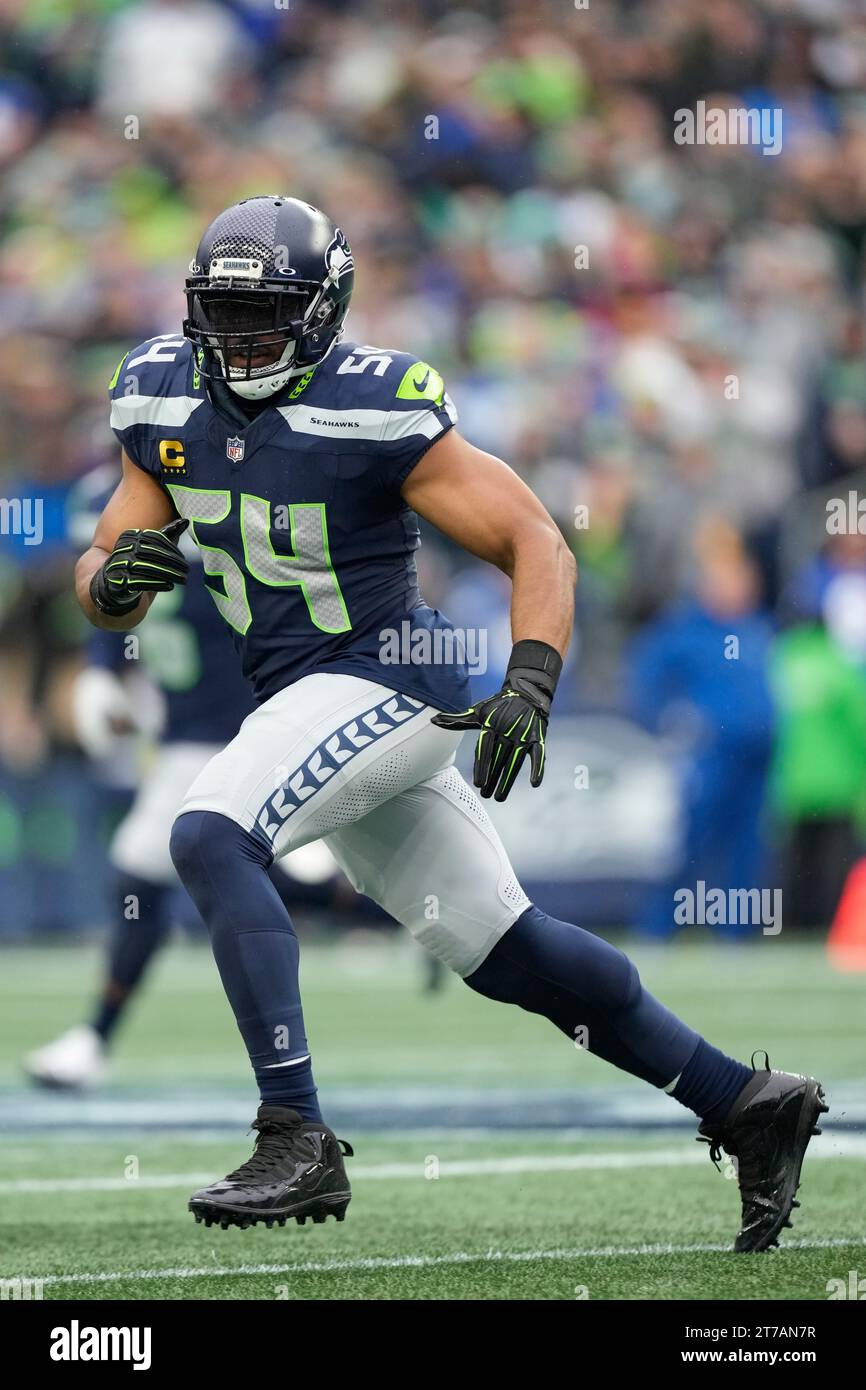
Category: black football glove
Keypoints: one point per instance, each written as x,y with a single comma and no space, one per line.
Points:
513,722
142,562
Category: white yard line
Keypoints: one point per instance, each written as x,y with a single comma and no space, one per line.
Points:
458,1257
833,1146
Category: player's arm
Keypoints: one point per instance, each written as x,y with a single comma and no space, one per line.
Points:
131,558
481,504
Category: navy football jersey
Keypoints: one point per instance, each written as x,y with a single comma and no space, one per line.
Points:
183,646
308,546
184,649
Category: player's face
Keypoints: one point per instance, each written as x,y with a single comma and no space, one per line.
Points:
237,356
246,333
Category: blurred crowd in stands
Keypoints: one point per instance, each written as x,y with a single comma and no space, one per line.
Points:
666,341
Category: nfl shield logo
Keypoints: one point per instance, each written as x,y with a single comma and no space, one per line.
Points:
235,448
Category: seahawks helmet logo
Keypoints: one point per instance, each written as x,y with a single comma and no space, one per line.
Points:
338,259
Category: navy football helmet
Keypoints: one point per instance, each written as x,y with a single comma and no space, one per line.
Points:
267,293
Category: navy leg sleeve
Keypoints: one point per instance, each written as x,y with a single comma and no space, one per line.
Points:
593,992
256,950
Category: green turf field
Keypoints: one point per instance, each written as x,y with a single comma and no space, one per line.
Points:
493,1159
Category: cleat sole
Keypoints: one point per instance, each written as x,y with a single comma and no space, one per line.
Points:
317,1208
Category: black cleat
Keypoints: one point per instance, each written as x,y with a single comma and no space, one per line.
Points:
296,1171
767,1130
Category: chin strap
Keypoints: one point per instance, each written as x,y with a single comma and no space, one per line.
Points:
289,374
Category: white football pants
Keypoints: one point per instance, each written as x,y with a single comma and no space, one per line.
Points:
343,759
140,845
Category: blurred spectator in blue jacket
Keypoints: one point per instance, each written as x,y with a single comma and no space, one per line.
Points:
698,675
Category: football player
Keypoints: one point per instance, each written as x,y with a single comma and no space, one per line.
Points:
301,463
184,651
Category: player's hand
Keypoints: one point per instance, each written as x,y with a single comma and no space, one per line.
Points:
513,722
142,562
512,725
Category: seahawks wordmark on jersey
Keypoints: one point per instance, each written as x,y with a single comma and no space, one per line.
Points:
308,546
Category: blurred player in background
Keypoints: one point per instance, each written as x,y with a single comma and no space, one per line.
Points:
205,699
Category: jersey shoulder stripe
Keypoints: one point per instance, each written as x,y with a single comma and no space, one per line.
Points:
153,388
381,425
172,411
374,394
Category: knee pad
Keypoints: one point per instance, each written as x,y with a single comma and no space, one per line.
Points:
207,840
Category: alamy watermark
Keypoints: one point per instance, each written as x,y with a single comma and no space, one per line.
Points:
77,1343
731,907
854,1287
735,125
20,1288
846,516
22,516
441,646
